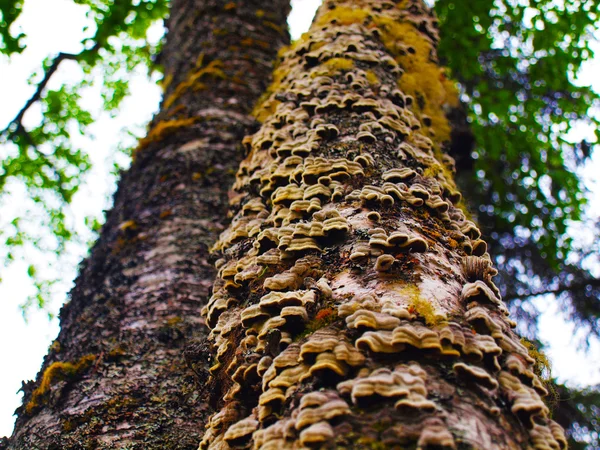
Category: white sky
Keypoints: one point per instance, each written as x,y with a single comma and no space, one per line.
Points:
56,25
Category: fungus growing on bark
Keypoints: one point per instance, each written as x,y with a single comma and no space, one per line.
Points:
482,348
384,263
374,216
479,247
240,432
378,342
328,340
347,174
218,423
316,434
435,435
480,292
405,385
548,438
252,314
219,302
416,335
474,373
274,436
407,242
375,194
525,401
364,318
315,409
270,258
360,252
478,268
378,237
481,320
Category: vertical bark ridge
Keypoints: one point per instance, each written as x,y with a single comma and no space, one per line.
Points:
116,376
354,305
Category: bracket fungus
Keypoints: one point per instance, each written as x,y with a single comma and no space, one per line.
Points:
405,385
346,183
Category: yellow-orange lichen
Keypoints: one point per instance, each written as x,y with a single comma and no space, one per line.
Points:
57,371
420,306
422,79
213,69
163,129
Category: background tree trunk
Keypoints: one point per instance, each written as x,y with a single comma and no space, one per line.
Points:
116,377
354,306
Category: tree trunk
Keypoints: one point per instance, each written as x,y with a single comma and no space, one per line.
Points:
116,376
354,306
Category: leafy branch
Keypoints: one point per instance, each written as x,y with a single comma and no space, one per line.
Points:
10,10
16,125
43,159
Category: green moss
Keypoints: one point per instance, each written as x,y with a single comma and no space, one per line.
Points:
339,63
420,306
173,321
370,443
543,370
266,107
324,317
433,171
541,367
465,209
166,81
55,346
332,66
266,104
422,78
108,411
253,43
343,15
372,77
213,69
115,353
57,371
274,26
263,272
163,129
438,168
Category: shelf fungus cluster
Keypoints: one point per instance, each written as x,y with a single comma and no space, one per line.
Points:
354,306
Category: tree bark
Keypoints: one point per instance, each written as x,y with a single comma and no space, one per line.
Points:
116,376
354,305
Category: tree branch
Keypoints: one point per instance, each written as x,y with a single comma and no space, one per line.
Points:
41,86
559,290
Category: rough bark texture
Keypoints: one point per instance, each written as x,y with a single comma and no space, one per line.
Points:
116,376
354,306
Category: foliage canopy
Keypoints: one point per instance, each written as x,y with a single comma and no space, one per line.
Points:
43,159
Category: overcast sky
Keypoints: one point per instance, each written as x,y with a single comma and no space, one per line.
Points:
56,25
